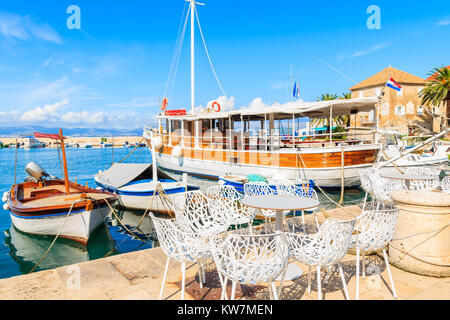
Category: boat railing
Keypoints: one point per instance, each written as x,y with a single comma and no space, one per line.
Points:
261,141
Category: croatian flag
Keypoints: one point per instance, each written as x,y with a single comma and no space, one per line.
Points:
296,92
393,84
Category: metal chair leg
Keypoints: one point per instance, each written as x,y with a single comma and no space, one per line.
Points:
164,278
357,273
343,282
394,293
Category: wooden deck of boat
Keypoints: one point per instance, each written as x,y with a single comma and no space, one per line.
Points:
62,200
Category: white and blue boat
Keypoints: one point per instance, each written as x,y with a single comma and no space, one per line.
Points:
135,184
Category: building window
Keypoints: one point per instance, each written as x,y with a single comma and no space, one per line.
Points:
400,93
371,116
420,111
377,92
360,94
400,110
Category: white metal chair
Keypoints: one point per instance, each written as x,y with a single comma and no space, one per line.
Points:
366,185
260,188
374,230
383,188
181,245
323,249
250,259
201,215
300,191
236,212
422,184
445,184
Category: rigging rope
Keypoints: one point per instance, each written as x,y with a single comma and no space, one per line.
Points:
176,56
207,54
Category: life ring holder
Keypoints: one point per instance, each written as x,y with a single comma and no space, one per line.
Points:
216,106
164,104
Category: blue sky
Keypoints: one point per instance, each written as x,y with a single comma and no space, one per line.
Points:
113,71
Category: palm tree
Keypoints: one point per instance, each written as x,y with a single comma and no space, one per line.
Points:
437,89
346,95
339,120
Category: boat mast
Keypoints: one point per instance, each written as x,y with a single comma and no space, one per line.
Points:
192,56
192,5
66,174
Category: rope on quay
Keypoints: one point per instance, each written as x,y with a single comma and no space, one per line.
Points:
123,225
420,243
321,190
132,151
57,236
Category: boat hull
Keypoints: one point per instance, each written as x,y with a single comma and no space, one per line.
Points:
77,227
145,199
323,176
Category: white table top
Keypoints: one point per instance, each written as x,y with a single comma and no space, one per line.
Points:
399,176
280,202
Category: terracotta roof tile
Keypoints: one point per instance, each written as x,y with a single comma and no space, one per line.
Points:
382,76
434,75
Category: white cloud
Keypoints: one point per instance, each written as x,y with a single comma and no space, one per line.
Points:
258,103
444,22
226,104
83,117
50,113
359,53
25,28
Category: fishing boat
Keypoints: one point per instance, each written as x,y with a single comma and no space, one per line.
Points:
213,142
135,184
85,145
47,206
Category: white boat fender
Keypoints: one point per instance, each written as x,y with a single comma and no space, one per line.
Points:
6,207
157,142
177,152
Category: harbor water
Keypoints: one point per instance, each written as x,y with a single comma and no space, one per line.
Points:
20,252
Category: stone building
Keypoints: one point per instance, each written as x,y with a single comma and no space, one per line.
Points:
400,111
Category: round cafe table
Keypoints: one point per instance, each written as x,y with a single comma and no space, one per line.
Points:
408,178
281,203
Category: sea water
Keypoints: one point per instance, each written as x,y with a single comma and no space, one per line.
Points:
20,252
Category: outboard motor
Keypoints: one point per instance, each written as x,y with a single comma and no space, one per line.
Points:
36,172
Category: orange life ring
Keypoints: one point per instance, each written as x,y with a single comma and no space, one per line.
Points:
164,104
216,106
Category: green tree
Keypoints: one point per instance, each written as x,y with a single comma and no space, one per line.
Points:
436,90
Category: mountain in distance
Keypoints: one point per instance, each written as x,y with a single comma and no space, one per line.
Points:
6,132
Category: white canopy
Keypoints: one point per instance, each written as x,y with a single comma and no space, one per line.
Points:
317,109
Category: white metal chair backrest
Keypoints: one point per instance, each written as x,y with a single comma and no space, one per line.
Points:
445,184
175,241
375,229
250,258
326,247
383,188
228,198
365,177
258,188
419,171
423,184
196,213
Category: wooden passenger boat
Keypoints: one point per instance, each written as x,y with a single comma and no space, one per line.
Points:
48,206
206,144
215,142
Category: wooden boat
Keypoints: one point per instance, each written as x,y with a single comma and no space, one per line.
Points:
213,142
206,144
47,206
